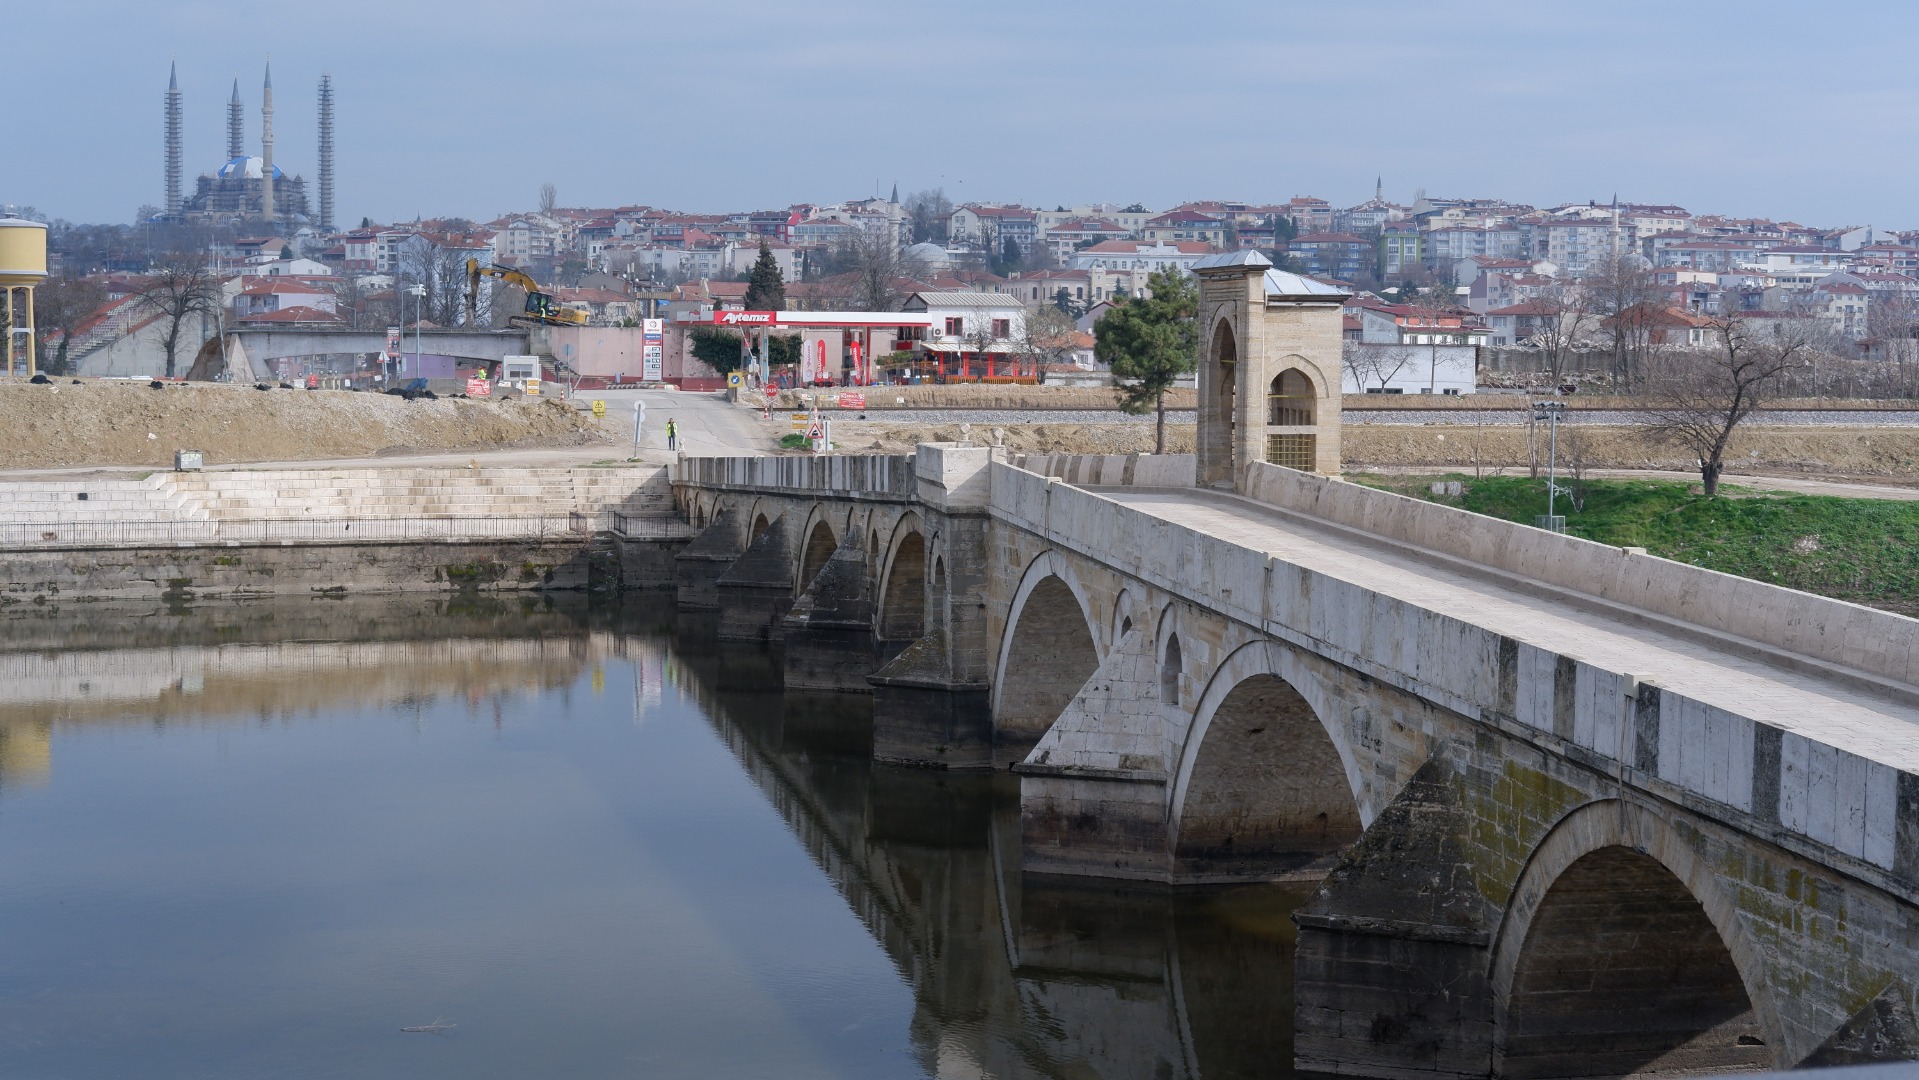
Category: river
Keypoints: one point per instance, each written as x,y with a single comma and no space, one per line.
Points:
259,840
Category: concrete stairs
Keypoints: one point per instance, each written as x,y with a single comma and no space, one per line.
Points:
415,493
99,511
124,318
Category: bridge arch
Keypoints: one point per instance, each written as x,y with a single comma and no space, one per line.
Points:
1264,782
1048,651
1123,615
760,518
902,592
1292,399
821,541
1167,651
1225,358
1616,902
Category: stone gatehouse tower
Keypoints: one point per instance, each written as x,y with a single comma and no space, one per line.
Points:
1269,371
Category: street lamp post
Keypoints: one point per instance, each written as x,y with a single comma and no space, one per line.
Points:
419,305
1550,412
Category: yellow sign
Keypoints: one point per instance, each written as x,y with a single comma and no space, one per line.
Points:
533,388
599,408
733,380
801,421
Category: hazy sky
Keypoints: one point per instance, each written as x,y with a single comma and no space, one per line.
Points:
1760,108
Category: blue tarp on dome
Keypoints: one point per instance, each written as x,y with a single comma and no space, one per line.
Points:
247,167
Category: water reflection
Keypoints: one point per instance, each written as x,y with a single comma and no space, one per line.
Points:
613,908
1012,976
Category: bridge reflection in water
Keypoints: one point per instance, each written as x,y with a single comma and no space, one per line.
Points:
1011,975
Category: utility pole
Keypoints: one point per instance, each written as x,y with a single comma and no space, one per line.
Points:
1550,412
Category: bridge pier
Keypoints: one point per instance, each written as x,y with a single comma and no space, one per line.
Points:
829,630
1093,792
925,713
756,590
699,565
1390,967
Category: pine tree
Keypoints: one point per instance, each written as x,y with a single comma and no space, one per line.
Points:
1150,342
766,287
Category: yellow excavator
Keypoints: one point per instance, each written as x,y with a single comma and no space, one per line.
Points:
541,308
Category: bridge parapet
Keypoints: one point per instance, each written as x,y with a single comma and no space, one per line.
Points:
1873,642
888,477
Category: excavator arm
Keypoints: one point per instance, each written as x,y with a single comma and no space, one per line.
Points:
539,306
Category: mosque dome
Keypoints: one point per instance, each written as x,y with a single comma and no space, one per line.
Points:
247,168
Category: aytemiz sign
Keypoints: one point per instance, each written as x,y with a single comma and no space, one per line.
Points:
745,318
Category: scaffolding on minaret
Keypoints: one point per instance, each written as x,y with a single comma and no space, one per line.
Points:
173,153
266,148
236,124
326,152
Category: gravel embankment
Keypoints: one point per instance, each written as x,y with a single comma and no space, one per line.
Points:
129,423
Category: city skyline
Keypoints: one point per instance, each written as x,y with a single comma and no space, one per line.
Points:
1064,105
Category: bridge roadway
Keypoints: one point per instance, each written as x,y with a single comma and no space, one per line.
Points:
1629,814
1829,704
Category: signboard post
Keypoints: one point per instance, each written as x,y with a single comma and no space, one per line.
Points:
652,349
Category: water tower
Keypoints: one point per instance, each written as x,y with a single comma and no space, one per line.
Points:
23,265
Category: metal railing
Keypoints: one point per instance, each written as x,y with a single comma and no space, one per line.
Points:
334,530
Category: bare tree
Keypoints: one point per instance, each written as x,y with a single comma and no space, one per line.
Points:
878,272
549,198
1623,293
179,286
59,307
442,269
1700,397
1048,336
1562,319
1434,302
1372,364
1893,321
929,213
361,308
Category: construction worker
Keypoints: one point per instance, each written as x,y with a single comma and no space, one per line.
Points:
672,434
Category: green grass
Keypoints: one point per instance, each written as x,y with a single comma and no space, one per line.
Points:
1862,550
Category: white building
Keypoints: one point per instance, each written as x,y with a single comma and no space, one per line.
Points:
1140,256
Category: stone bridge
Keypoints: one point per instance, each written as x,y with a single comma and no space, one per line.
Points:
248,352
1573,810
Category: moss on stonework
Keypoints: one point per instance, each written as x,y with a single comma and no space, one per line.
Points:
470,575
1509,818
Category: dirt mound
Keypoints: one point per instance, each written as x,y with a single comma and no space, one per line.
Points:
128,423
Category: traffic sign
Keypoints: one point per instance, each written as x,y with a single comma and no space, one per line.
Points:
815,432
599,408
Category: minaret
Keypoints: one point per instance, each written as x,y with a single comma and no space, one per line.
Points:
266,148
1379,189
236,124
173,141
326,152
